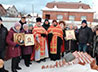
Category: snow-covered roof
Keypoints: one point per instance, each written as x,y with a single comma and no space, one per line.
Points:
7,6
32,14
67,10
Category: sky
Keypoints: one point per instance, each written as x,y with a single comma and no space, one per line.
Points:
29,6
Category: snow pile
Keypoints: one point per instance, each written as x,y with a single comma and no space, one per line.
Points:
71,68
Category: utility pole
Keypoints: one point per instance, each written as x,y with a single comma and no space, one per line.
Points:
33,10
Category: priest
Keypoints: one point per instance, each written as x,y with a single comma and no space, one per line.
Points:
55,39
41,48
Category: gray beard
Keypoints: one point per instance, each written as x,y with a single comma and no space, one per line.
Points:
39,25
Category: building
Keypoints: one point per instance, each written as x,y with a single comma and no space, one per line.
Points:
2,11
11,10
69,11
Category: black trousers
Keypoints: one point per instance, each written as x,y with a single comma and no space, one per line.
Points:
27,59
2,55
15,62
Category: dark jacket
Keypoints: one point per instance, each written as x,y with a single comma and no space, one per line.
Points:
21,24
3,35
46,26
12,50
85,35
95,45
27,49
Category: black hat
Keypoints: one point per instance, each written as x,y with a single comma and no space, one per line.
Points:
84,21
38,19
23,17
0,19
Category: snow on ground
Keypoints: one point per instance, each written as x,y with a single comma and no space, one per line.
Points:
36,67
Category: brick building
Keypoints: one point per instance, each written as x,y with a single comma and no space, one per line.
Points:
2,11
69,11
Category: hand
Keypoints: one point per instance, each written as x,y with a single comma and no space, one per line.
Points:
65,38
88,44
17,45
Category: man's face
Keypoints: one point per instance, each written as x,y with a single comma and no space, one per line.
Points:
23,20
0,22
71,27
38,23
83,24
54,23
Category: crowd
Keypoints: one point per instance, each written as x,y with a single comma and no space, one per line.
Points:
50,42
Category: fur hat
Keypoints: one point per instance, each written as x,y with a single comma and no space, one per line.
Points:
38,19
84,21
17,24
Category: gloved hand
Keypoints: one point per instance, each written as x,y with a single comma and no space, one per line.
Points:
17,45
43,35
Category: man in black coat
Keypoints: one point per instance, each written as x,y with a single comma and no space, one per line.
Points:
3,34
22,22
85,36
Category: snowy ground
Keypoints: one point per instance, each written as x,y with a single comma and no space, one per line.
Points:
36,67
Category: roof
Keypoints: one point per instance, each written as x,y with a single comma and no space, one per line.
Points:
68,10
68,5
2,7
7,6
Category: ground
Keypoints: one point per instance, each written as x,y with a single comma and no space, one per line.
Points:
36,67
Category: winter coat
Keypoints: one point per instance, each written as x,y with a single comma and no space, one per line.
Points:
85,35
27,49
22,24
3,35
12,50
46,26
95,44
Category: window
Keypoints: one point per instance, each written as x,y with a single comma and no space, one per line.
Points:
83,18
71,18
59,17
47,16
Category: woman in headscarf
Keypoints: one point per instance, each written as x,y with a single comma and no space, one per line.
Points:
14,50
46,24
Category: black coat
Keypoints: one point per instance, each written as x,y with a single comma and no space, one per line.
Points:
85,35
3,35
21,24
46,26
95,44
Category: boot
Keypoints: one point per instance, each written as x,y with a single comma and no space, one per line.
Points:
14,70
18,68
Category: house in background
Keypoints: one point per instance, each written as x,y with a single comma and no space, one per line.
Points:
68,11
11,10
2,11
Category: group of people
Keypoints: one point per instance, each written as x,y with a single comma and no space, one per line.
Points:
49,41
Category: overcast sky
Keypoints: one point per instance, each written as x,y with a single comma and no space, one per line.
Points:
26,5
